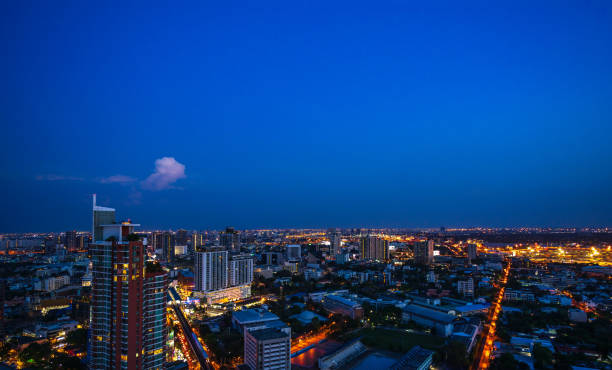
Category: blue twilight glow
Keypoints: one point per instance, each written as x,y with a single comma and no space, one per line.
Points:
306,113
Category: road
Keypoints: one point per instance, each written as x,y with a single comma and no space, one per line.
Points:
195,345
482,358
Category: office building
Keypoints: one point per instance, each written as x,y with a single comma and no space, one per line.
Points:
344,306
294,252
268,348
441,322
230,239
211,270
374,248
335,241
466,287
122,301
241,269
423,252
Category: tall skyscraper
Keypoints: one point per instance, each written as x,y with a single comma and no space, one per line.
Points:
211,270
472,251
70,240
101,216
335,240
230,239
126,317
197,240
268,348
374,248
181,237
423,252
167,245
155,330
241,269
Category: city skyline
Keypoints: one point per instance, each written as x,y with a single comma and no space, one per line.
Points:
307,115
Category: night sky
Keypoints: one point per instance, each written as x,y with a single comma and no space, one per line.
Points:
306,114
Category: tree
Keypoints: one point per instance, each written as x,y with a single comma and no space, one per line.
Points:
77,337
316,324
456,356
36,354
542,357
507,362
4,350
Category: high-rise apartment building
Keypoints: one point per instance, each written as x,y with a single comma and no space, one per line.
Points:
335,241
241,269
268,348
374,248
127,316
423,252
168,243
197,240
155,330
230,239
211,270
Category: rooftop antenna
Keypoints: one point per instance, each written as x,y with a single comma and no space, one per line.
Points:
94,200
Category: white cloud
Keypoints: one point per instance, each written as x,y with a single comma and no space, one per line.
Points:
117,179
167,172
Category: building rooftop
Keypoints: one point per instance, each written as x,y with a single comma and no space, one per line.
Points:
306,317
413,359
343,300
268,333
429,314
253,315
472,307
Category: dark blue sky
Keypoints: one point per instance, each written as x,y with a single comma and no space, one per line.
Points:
306,114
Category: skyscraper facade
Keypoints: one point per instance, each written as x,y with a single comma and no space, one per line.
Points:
423,252
230,239
472,251
241,269
197,240
167,245
335,240
211,270
268,348
124,299
70,240
181,237
374,248
155,330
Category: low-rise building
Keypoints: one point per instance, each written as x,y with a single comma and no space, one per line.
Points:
418,358
337,304
442,323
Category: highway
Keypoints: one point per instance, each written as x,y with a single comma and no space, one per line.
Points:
194,344
484,350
